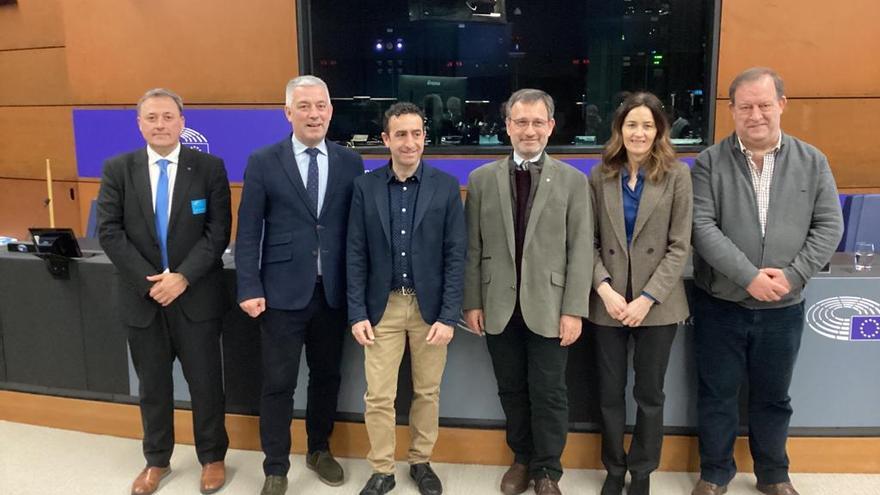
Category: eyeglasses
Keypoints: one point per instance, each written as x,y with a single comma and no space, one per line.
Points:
524,123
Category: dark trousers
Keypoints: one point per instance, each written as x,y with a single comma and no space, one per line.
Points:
322,330
733,343
197,346
530,371
651,347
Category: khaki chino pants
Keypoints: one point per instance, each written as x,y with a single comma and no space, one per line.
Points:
401,321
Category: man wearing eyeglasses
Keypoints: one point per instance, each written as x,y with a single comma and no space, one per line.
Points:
527,280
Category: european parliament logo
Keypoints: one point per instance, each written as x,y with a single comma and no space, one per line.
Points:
846,318
194,139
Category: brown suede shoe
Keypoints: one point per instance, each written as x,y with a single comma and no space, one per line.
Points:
546,486
705,488
784,488
148,481
213,477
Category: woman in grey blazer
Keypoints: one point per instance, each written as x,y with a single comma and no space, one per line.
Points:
642,202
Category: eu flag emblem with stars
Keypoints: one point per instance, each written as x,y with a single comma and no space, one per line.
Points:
865,327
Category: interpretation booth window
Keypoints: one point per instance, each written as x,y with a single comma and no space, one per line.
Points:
460,59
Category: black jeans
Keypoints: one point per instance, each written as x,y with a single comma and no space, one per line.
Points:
197,346
322,330
530,370
733,343
651,346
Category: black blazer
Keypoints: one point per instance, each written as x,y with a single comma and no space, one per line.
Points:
439,243
279,234
196,240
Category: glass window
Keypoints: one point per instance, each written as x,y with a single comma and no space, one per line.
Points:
460,59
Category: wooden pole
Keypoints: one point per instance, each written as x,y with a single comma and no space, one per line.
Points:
50,198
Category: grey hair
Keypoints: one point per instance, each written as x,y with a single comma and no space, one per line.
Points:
753,74
529,95
302,81
161,93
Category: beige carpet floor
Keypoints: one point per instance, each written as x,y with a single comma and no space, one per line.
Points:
45,461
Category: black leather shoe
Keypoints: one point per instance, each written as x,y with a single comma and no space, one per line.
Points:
639,486
379,484
426,478
613,485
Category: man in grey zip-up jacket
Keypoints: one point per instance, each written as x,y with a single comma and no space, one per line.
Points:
766,218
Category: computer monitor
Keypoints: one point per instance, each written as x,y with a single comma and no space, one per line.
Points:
57,241
417,89
438,96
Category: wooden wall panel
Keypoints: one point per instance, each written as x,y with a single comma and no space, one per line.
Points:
31,24
34,77
844,129
21,206
820,48
29,135
87,190
209,51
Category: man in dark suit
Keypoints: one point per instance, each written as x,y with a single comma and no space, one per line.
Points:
406,249
164,222
290,261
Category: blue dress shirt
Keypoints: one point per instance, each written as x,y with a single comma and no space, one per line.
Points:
631,198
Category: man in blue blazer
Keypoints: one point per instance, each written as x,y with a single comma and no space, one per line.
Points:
406,250
290,261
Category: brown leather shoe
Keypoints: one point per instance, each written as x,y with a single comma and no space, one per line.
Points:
546,486
784,488
705,488
148,481
515,480
213,477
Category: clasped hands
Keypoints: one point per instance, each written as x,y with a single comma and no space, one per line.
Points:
630,314
167,286
769,285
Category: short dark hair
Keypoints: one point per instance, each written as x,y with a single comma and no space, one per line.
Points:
529,95
753,74
401,108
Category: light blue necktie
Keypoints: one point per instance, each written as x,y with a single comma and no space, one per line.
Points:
162,210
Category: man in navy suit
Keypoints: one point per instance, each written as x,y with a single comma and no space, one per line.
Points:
164,221
290,261
406,250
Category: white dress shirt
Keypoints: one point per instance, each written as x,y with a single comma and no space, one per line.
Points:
173,159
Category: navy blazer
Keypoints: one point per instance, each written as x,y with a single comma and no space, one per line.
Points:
196,238
439,244
279,234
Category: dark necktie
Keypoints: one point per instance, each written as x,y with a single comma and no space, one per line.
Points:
162,210
312,182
